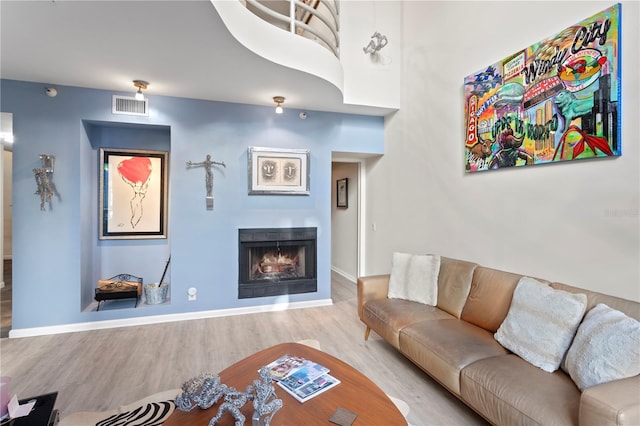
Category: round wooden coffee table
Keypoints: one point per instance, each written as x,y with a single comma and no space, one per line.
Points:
355,393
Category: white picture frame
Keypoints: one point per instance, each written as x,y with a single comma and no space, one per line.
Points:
273,171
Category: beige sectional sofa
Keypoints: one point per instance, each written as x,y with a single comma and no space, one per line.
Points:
454,343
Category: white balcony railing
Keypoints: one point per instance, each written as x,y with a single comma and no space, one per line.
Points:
314,19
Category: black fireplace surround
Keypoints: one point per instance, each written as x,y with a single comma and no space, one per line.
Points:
276,261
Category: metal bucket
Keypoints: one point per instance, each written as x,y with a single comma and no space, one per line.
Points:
156,293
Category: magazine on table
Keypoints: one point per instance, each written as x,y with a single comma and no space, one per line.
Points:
300,377
307,391
284,366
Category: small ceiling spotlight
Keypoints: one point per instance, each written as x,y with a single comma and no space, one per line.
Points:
140,84
279,100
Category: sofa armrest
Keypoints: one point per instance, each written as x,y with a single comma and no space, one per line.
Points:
613,403
372,287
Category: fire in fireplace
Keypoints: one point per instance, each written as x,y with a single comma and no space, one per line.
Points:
276,261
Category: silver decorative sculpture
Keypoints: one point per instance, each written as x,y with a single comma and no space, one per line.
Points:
202,391
44,187
206,390
265,402
377,42
208,177
234,400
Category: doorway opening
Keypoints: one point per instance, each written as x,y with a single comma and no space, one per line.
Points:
6,290
347,223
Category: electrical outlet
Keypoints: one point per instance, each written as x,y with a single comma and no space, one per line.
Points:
192,294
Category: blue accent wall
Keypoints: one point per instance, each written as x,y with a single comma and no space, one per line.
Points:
57,256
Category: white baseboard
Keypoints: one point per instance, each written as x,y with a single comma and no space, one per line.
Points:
157,319
344,274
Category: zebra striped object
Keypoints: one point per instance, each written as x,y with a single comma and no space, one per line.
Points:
152,414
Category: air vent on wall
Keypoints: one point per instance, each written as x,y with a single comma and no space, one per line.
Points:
130,106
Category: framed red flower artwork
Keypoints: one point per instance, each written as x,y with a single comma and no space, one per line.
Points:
133,194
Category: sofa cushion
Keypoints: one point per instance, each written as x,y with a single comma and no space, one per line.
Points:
611,404
414,277
541,323
454,282
627,307
444,347
509,391
490,297
388,316
606,348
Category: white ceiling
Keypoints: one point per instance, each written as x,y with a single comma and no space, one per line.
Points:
181,47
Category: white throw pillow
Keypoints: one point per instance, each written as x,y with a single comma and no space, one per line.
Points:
541,323
415,278
606,348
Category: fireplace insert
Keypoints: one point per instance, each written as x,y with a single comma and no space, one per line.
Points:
276,261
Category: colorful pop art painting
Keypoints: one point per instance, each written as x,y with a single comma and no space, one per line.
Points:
557,100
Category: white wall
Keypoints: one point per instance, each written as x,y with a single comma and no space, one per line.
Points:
361,79
575,222
344,222
371,80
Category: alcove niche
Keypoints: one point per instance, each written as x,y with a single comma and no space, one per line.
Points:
102,259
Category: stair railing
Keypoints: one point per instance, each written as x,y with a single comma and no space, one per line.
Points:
303,19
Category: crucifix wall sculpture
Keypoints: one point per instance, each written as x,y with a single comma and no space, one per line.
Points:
207,164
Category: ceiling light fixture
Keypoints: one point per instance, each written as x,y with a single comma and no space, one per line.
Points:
140,84
279,100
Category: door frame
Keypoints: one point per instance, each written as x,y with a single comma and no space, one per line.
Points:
361,197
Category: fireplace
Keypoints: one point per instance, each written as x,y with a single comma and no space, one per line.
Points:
276,261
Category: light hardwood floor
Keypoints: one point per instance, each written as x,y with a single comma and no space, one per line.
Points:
99,370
